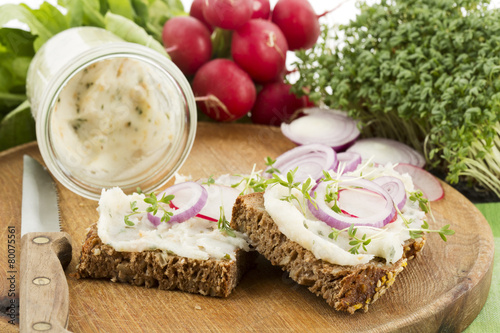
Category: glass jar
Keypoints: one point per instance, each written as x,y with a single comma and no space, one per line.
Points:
109,113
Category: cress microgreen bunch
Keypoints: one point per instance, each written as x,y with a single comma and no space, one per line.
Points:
253,181
223,224
332,194
424,72
354,241
270,163
154,206
424,205
290,183
210,181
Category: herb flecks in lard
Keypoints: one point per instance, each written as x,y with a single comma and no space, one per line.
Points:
111,120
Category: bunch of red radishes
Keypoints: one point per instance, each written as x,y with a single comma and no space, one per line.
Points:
226,86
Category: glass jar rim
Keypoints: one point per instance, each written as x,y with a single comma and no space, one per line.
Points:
83,60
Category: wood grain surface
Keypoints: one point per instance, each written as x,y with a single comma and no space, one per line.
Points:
442,290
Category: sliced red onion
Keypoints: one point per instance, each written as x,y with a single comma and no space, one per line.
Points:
189,200
383,151
155,220
310,159
422,180
329,127
395,187
378,219
218,195
348,161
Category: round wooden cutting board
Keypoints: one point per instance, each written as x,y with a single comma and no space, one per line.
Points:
442,290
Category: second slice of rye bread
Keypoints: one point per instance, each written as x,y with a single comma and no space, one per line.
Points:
345,288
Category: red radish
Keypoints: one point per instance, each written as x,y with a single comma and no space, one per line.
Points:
298,21
275,104
260,47
224,91
228,14
188,43
261,9
423,181
196,11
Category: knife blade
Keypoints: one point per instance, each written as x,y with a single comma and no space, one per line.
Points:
45,253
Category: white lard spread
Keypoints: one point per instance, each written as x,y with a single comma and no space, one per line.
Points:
312,234
111,119
195,238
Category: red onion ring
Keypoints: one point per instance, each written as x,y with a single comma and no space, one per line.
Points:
329,127
310,159
189,200
348,161
155,220
383,151
324,213
395,187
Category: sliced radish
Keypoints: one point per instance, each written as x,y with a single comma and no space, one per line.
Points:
395,187
328,127
310,160
218,195
189,199
382,211
360,202
383,151
423,181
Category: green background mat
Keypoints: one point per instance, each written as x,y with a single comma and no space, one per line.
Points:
489,317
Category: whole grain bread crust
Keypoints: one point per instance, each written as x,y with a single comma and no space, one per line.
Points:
345,288
157,269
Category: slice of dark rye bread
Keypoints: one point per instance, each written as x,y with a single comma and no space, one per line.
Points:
157,269
345,288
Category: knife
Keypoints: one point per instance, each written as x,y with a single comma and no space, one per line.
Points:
45,253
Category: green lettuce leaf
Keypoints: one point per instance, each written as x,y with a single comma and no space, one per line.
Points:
122,7
16,52
25,15
17,127
131,32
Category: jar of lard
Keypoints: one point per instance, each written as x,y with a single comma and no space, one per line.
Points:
109,113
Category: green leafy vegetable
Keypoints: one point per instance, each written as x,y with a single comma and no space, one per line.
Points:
16,52
424,72
44,30
17,127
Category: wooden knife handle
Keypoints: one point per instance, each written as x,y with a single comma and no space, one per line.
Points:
44,296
